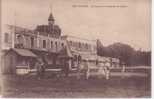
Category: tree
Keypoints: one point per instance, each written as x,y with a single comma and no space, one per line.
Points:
125,53
122,51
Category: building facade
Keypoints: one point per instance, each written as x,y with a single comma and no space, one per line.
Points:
82,50
44,42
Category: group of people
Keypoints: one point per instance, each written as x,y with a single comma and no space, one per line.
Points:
41,68
102,71
41,64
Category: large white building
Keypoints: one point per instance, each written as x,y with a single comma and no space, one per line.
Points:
21,47
82,50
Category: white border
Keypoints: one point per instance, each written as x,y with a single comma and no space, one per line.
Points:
152,34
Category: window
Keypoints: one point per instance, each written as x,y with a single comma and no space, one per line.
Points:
70,42
6,38
44,43
32,42
82,45
79,45
20,41
89,46
62,44
56,45
75,57
76,44
86,46
51,44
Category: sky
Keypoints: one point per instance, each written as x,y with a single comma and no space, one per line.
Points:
126,21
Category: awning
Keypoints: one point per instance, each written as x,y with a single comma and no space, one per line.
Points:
24,52
40,53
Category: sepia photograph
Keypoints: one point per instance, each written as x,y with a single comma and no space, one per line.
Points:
75,49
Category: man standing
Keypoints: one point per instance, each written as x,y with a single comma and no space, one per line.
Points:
65,68
40,68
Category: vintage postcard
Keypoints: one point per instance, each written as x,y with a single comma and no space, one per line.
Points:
75,48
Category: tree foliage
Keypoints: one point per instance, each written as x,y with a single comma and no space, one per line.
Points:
125,53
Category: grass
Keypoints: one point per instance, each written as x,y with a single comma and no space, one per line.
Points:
30,86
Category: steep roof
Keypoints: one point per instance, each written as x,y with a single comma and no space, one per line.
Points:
51,18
